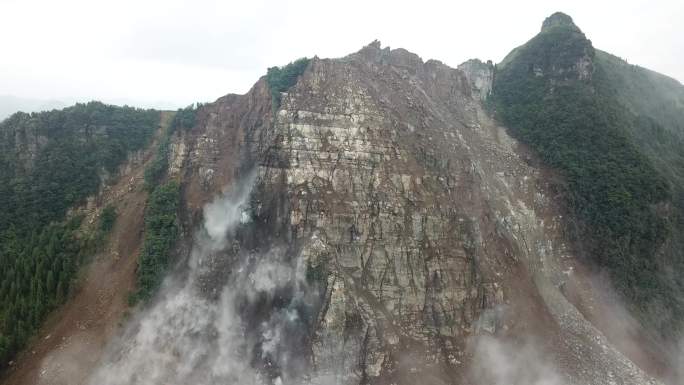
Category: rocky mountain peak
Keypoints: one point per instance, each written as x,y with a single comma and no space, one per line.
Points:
375,53
558,19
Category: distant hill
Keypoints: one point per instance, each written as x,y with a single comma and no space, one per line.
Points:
10,104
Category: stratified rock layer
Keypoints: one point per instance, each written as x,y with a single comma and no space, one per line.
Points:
421,223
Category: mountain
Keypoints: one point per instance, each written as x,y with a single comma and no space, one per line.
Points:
371,219
11,104
614,131
50,162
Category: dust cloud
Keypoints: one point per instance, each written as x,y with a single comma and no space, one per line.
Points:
204,331
498,362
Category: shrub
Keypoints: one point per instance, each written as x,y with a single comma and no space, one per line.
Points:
280,79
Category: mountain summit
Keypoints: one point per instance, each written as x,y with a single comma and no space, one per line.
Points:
558,19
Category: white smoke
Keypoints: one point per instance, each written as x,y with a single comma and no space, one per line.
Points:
225,213
188,336
497,362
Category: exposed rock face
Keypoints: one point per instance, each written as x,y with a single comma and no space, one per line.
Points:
232,131
27,142
481,76
421,223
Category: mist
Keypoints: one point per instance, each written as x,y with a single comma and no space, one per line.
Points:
498,362
10,104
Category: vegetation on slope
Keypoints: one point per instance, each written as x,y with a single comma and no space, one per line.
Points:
655,103
280,79
652,109
161,227
105,225
36,276
552,99
161,230
50,162
107,219
643,92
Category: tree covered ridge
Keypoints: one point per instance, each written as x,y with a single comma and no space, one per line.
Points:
50,162
553,96
71,149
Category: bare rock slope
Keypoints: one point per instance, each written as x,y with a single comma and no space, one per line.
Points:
424,231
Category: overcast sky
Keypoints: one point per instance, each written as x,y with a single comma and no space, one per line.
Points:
169,53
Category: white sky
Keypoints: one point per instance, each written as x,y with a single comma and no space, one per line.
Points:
172,52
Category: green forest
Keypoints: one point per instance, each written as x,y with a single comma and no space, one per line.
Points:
280,79
49,162
161,230
557,98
